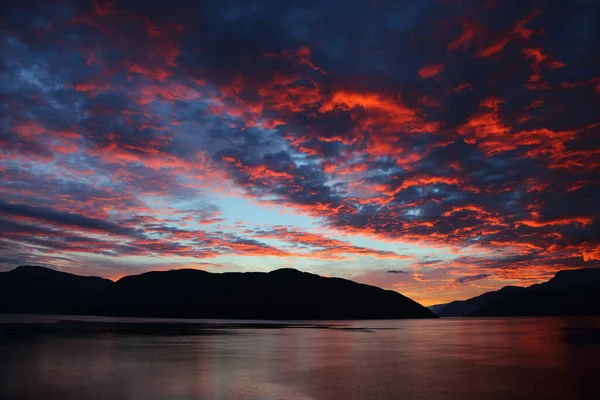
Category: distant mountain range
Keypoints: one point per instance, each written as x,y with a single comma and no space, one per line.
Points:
569,292
284,294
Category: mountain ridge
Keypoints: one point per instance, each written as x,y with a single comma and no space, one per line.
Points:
568,292
188,293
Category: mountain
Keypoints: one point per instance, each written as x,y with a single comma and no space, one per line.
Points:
569,292
284,294
462,308
39,290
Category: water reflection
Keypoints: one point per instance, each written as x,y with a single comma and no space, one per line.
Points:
100,358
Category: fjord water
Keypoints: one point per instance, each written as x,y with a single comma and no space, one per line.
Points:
52,358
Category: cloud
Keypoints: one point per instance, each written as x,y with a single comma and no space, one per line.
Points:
476,129
472,278
430,70
54,217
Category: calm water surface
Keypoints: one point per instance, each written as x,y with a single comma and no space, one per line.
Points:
82,358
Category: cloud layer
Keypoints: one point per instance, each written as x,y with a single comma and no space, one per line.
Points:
466,125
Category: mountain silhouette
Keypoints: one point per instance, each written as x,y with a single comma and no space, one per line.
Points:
31,289
462,308
569,292
284,294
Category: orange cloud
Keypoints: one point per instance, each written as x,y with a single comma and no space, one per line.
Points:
561,221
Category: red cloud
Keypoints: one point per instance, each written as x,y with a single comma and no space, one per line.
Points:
519,31
385,113
595,83
465,86
470,31
300,56
430,70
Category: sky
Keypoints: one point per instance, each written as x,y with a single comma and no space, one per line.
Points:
440,148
